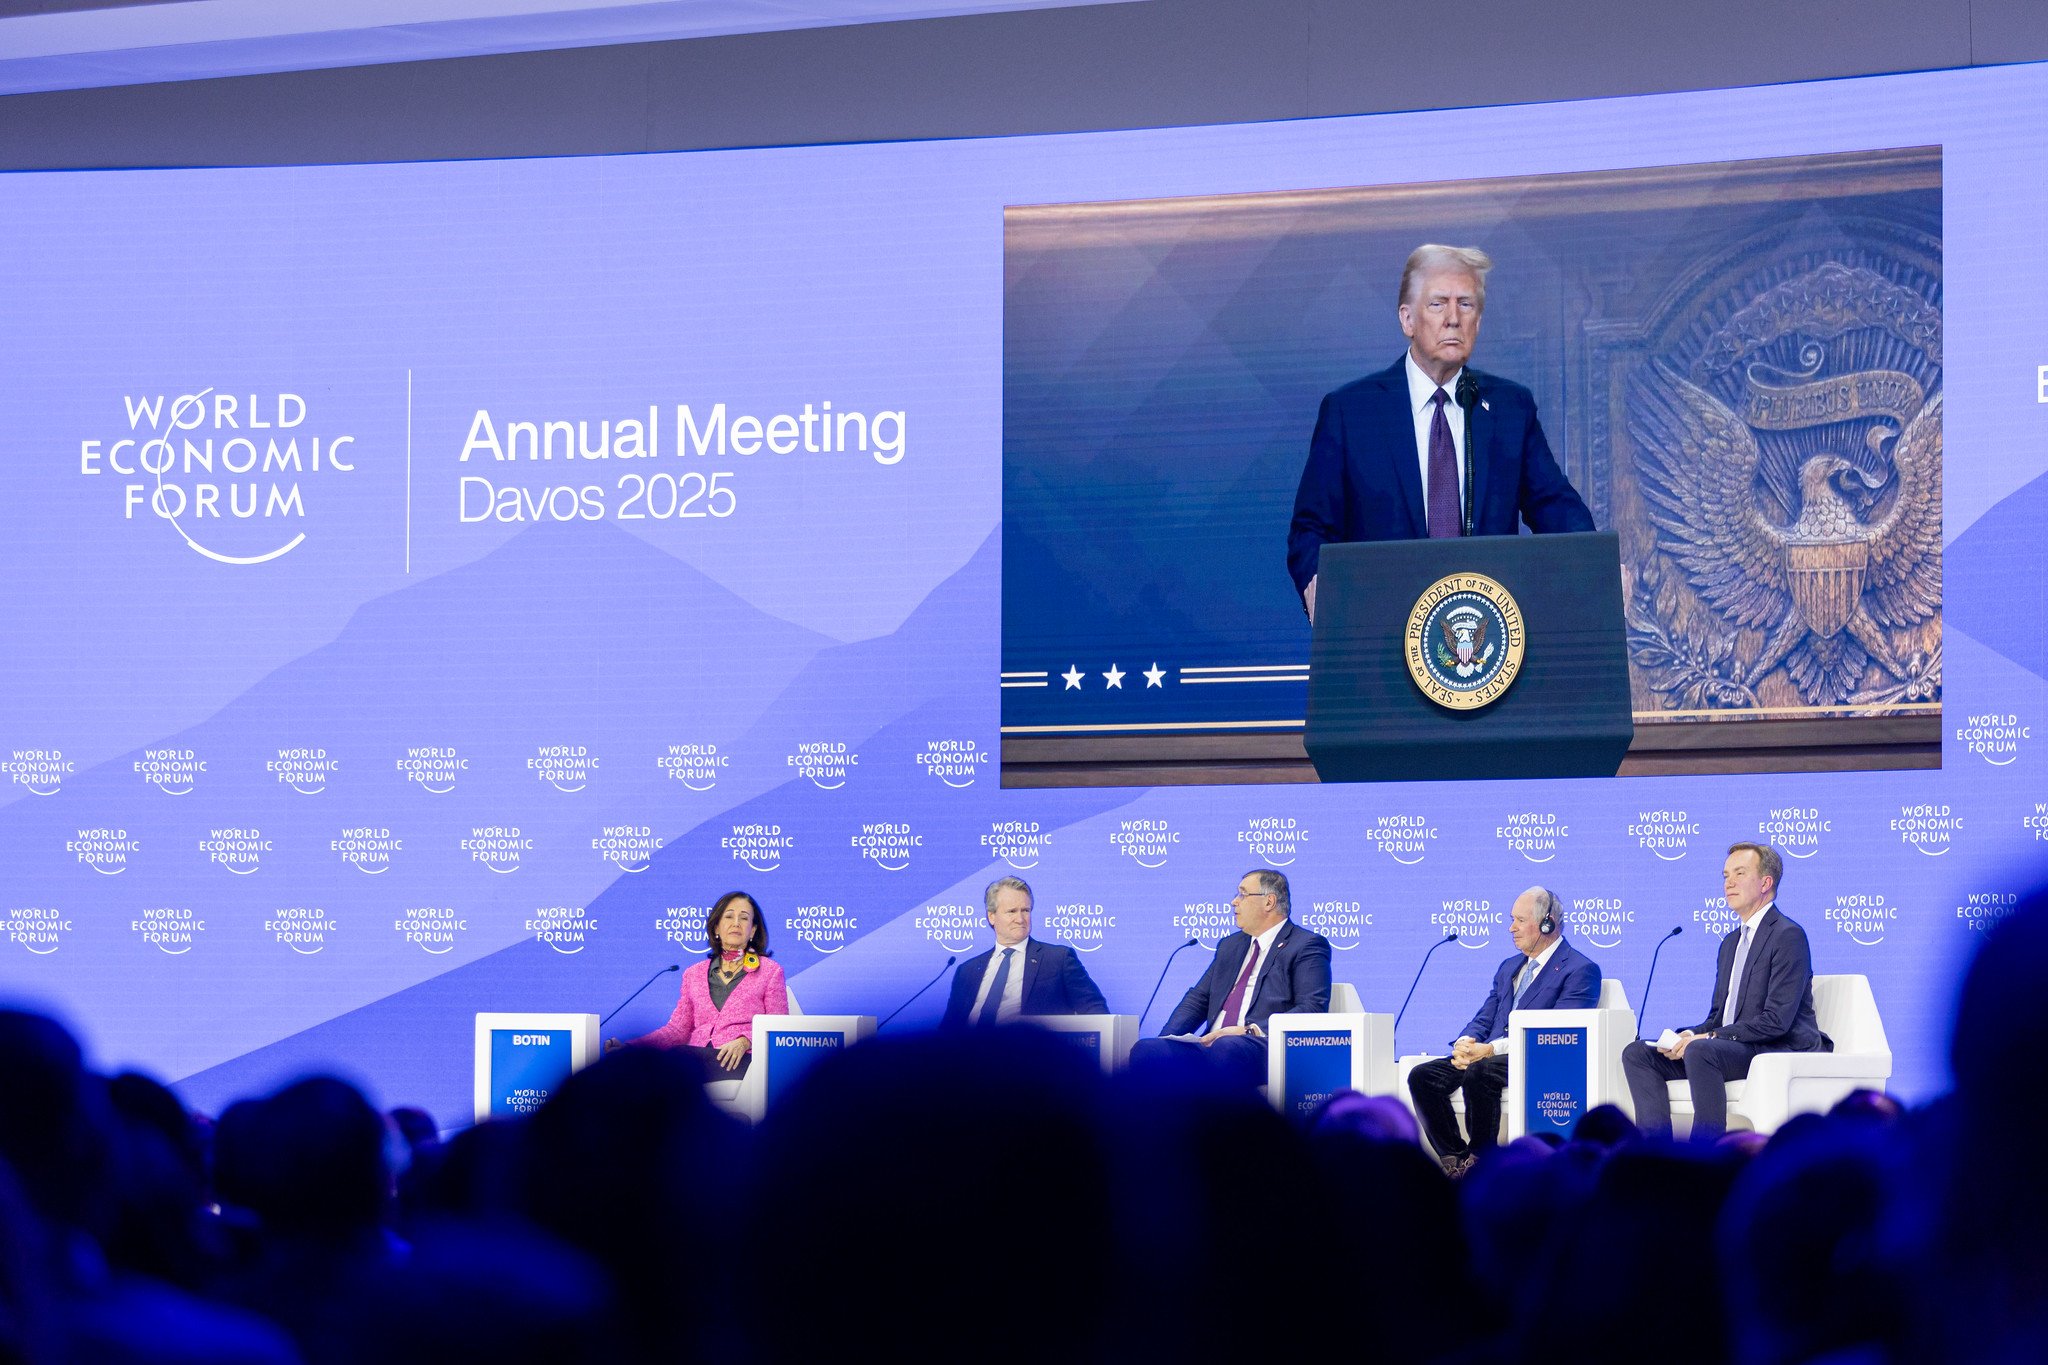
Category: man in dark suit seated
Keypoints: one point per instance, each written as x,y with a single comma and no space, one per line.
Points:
1763,1002
1028,978
1391,458
1269,966
1546,973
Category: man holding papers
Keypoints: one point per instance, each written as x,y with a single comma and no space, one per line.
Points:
1763,1002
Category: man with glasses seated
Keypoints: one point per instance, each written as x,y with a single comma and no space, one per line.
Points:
1269,966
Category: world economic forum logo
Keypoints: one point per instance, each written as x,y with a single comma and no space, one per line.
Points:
1464,641
237,476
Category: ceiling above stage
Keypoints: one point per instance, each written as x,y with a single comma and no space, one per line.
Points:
74,44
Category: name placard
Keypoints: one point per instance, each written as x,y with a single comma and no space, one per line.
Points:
790,1054
1317,1065
527,1066
1554,1078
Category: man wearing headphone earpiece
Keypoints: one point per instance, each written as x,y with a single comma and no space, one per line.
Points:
1546,973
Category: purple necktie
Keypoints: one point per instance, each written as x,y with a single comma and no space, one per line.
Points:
1446,508
1234,1001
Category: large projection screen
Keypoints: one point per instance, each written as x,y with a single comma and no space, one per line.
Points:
431,586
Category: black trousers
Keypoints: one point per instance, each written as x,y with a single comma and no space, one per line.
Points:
1707,1067
1240,1057
1433,1083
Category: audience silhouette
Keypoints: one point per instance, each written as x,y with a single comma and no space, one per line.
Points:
992,1194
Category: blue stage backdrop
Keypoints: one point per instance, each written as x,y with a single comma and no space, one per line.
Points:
430,586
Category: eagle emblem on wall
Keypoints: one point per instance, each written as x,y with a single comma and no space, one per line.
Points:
1792,475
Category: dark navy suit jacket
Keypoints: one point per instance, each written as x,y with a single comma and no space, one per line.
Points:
1055,982
1569,981
1775,1010
1294,980
1363,480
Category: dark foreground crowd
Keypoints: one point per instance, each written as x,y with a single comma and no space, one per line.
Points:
989,1197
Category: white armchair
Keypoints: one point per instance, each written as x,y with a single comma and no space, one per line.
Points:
1781,1084
744,1096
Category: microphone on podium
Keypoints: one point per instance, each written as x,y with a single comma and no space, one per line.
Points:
1467,396
1450,937
920,991
1154,997
673,967
1644,1011
1467,393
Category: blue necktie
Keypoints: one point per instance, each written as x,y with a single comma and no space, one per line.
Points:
1529,975
1735,970
994,1002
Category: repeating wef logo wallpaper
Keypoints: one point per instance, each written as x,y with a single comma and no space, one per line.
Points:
306,760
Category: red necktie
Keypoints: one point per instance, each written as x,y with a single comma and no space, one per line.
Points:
1234,1001
1446,507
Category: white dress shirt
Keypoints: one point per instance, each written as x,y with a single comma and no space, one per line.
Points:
1012,1003
1264,944
1422,406
1421,393
1505,1047
1736,969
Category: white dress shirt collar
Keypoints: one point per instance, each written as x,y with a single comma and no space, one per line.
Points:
1421,389
1543,958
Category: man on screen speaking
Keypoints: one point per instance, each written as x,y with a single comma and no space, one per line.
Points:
1393,458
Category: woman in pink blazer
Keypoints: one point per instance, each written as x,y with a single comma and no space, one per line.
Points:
720,996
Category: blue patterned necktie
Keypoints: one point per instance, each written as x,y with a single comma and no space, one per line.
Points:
994,1002
1529,975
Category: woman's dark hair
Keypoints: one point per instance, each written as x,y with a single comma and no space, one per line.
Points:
758,943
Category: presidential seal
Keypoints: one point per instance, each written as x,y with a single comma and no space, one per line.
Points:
1464,641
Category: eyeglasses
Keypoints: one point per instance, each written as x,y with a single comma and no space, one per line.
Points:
1241,894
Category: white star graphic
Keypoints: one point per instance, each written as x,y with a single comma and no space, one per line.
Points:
1115,677
1073,676
1154,674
